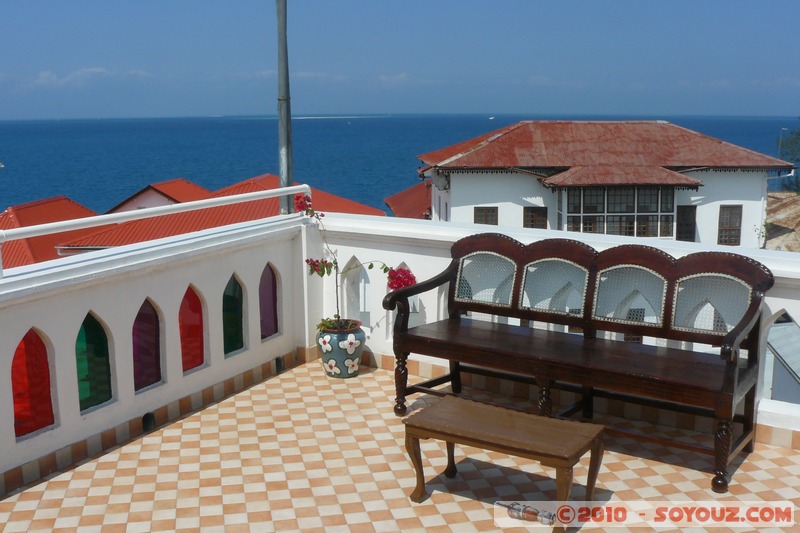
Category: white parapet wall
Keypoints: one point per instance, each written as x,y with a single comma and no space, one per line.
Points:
55,297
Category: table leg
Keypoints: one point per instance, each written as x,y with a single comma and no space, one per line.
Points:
412,447
594,467
450,471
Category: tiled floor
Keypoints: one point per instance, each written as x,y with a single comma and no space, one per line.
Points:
305,452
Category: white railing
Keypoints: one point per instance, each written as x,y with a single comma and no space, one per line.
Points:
116,218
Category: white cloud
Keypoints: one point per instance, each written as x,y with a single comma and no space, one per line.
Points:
321,76
81,77
394,79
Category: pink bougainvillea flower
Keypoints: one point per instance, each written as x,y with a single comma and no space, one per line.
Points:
400,277
350,344
325,344
331,367
352,365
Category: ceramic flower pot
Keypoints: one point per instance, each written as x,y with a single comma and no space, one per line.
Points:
340,350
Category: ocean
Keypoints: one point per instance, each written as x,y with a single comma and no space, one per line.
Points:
99,163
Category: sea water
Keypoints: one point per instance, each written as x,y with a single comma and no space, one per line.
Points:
100,163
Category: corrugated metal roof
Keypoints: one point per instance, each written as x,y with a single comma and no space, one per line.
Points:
178,190
561,144
617,175
414,202
179,223
36,249
182,190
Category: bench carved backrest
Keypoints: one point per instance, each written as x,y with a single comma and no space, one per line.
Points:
486,276
715,291
555,281
630,290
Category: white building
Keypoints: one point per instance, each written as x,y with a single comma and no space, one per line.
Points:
632,178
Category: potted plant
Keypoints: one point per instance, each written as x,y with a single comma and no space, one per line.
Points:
340,341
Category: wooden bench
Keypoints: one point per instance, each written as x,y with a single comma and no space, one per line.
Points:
555,443
514,310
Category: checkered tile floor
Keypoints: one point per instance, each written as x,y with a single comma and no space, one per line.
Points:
305,452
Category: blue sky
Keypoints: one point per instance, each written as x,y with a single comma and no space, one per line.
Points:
145,58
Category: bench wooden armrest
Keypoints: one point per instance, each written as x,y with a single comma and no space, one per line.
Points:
399,298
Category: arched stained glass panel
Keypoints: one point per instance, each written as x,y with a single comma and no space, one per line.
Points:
92,360
268,302
30,384
146,347
233,316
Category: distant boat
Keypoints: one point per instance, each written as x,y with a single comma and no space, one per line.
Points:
491,118
1,165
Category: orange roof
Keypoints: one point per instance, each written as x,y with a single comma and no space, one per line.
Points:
622,144
178,190
414,202
35,249
179,223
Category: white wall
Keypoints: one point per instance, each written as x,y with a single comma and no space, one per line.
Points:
744,188
511,192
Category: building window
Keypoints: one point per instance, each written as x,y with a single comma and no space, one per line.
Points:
94,369
573,223
730,225
146,347
666,225
647,226
30,385
232,317
573,200
622,200
594,224
647,201
621,225
268,302
534,217
629,211
486,215
594,200
667,200
190,324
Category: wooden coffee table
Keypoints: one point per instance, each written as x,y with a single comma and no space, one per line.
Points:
553,442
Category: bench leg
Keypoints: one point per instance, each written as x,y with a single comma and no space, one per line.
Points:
455,376
400,383
545,403
722,449
450,471
594,468
750,418
412,447
587,399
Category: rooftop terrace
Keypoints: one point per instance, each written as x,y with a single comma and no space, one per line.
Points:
256,436
300,451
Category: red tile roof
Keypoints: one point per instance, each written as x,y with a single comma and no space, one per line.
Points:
35,249
178,190
414,202
179,223
608,175
621,144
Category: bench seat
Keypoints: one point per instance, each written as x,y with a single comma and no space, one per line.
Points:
652,371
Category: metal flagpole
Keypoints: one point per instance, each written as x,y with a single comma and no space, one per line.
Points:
284,110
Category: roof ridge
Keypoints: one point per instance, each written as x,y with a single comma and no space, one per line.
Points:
498,133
